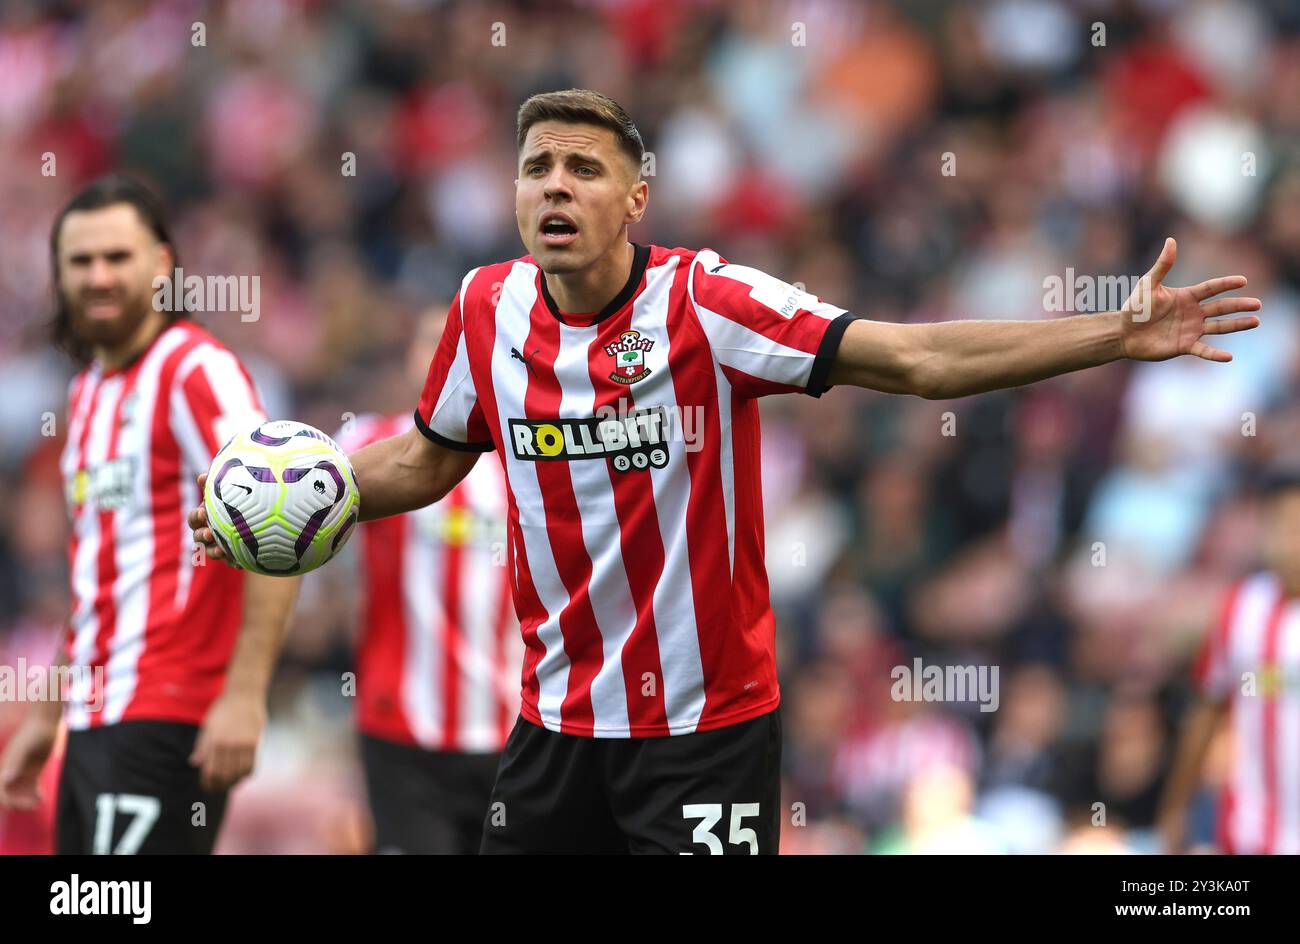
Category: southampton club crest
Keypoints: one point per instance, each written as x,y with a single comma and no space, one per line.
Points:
629,357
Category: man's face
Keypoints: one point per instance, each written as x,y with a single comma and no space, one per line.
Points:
576,190
107,262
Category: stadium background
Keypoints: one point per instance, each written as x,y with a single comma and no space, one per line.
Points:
809,139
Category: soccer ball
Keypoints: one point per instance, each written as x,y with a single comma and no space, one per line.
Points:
281,498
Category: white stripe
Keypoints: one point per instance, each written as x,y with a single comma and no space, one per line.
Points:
185,577
745,349
1248,633
674,599
509,379
1288,736
236,402
740,347
456,399
76,420
481,578
726,458
134,534
85,575
425,632
608,590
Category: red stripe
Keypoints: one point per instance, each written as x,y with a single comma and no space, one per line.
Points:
1272,786
381,646
732,299
641,543
1214,647
500,676
529,604
721,625
204,406
754,385
453,636
162,619
581,634
77,410
477,309
756,674
502,683
477,429
106,565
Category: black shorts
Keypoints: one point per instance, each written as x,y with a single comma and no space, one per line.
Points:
426,801
129,788
715,792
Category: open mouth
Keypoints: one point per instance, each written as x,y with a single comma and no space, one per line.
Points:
101,308
557,229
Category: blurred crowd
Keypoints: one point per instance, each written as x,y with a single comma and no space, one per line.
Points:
915,161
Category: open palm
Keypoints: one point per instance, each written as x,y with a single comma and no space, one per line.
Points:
1162,322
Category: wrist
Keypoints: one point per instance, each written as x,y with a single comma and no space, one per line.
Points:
245,689
48,714
1113,322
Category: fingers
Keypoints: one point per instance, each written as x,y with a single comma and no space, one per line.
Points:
1205,352
199,755
21,793
1165,262
197,519
1231,325
203,477
1211,287
225,767
1230,306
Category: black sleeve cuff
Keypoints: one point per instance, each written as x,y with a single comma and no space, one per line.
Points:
451,443
825,358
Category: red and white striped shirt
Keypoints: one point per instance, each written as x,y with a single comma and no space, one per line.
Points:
630,441
439,654
1252,658
147,624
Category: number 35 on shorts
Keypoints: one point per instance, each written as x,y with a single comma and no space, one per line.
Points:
710,815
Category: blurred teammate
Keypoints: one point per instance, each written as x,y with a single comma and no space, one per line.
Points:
619,385
164,709
1248,671
439,653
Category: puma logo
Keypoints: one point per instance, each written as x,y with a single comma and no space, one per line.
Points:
527,361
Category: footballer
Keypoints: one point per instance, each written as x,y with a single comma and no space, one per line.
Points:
650,716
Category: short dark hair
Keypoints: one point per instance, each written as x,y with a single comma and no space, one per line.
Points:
104,192
585,107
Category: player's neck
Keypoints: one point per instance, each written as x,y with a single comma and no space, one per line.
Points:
115,357
594,287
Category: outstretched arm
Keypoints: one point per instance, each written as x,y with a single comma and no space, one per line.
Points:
959,358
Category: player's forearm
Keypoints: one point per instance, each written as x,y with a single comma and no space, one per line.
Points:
1185,773
268,604
49,710
961,358
395,476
